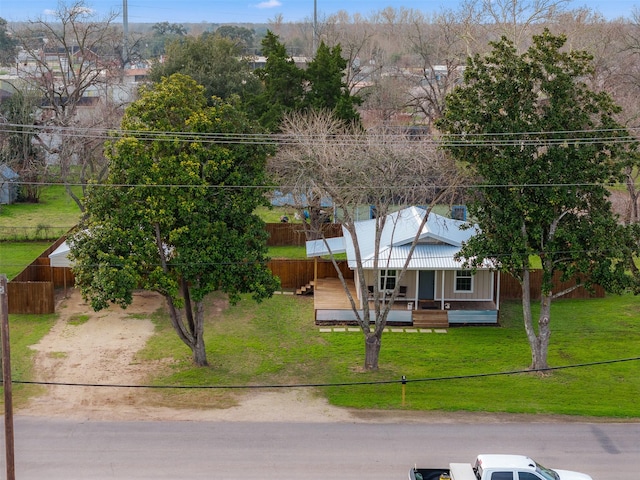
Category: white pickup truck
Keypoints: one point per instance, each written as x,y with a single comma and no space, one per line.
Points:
496,467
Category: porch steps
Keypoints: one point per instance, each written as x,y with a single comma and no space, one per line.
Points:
430,319
306,289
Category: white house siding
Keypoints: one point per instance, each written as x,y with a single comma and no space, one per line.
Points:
409,280
482,286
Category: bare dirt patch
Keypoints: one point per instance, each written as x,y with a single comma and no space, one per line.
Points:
102,349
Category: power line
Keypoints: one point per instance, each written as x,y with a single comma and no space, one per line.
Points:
290,187
336,384
500,139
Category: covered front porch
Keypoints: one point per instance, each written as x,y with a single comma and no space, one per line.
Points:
332,306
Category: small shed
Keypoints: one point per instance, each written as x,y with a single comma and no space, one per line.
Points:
60,256
8,184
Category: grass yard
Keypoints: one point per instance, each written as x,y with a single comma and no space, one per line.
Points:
276,343
49,219
15,256
26,330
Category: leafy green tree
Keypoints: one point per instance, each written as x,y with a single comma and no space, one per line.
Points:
283,84
161,35
327,89
543,147
19,145
8,45
289,88
176,215
213,61
166,28
242,35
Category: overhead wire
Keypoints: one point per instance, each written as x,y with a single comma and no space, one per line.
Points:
402,380
528,138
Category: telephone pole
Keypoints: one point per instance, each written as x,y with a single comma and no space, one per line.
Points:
125,32
315,26
6,379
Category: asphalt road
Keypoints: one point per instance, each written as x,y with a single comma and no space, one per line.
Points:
59,449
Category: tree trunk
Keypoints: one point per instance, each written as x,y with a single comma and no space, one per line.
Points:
526,314
194,340
544,333
371,352
198,349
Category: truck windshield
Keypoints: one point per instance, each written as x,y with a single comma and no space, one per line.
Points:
547,472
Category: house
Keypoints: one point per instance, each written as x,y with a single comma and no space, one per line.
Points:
8,185
434,281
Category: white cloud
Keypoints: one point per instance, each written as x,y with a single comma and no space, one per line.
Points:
82,11
269,4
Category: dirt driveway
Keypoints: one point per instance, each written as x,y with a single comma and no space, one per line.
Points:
102,350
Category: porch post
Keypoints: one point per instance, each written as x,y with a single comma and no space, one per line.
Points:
442,272
315,272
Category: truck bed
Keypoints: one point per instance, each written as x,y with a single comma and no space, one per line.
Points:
427,473
462,471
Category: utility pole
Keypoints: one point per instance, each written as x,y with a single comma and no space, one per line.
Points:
315,26
125,33
6,379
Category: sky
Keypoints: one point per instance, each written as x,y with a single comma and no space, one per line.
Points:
260,11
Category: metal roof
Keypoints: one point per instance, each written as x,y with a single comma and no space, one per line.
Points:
439,241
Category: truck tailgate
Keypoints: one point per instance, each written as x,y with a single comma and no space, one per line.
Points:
462,471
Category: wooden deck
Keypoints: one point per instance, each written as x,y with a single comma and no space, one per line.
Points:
329,295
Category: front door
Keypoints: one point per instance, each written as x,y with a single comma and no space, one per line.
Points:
426,284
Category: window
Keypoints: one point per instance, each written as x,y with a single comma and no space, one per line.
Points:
502,476
527,476
387,279
464,281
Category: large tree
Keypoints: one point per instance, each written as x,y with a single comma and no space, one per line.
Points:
8,45
326,88
283,84
72,62
321,157
289,88
214,61
18,146
543,147
176,215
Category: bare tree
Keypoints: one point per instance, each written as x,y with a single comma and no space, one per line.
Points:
439,53
517,20
385,100
71,62
354,35
320,158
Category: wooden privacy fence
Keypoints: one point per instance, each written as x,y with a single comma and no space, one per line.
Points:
33,290
295,273
292,234
31,297
510,288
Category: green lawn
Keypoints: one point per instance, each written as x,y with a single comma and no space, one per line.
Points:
15,256
26,330
276,343
49,219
